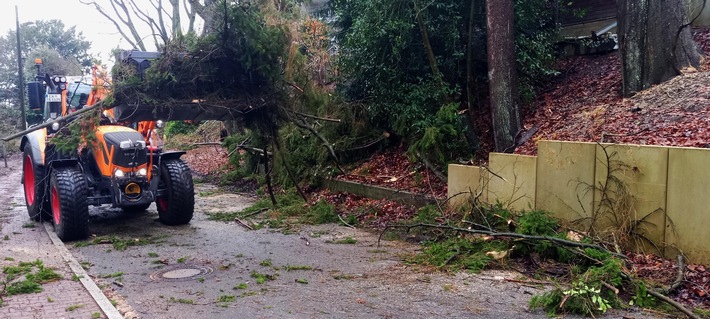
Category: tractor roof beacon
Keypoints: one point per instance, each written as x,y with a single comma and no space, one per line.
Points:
116,163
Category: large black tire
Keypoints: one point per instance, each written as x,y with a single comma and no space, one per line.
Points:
136,208
35,186
70,210
177,205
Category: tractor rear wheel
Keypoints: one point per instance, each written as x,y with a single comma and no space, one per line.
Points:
35,186
177,204
68,198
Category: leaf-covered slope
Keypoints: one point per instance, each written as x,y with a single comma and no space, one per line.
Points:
585,104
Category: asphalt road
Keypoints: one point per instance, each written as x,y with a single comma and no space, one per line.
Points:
212,269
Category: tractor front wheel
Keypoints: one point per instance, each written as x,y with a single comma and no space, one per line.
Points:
177,204
35,186
68,197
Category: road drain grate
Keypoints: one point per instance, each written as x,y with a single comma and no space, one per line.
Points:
181,273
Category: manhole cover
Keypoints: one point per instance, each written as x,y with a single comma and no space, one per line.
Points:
181,273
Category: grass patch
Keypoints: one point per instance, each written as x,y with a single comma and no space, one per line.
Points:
113,275
74,307
297,267
320,213
226,298
29,225
266,263
459,254
241,286
262,278
96,315
9,259
153,255
302,281
182,301
121,244
6,237
343,277
224,217
345,241
210,193
25,278
182,260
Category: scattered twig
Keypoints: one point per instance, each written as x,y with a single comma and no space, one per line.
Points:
256,150
612,288
384,136
318,117
604,134
345,223
241,222
256,212
293,85
509,235
673,303
431,167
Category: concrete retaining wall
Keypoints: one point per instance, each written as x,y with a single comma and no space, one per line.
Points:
664,191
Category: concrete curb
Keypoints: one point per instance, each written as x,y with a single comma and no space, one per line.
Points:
109,310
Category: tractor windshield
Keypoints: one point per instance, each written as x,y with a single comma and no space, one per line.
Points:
75,92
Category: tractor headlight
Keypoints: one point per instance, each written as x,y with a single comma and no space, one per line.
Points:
142,172
119,173
55,126
160,123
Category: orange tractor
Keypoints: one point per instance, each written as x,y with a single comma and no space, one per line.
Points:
122,165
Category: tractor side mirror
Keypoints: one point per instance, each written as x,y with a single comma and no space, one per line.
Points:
35,93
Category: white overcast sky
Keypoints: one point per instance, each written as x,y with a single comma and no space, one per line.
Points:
101,32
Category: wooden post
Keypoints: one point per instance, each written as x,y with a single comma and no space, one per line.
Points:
4,152
21,77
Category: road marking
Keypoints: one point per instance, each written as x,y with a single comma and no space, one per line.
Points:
106,306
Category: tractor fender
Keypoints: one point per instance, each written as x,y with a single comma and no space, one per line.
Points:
37,140
64,163
171,155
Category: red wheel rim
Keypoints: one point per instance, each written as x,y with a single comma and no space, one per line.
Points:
55,206
162,203
29,172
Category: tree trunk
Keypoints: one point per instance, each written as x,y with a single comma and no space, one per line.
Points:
502,76
655,42
176,18
425,39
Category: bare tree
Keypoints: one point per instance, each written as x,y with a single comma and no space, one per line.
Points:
163,18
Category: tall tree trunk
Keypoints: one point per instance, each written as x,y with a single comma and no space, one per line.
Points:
502,75
206,12
469,61
176,18
655,42
427,45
